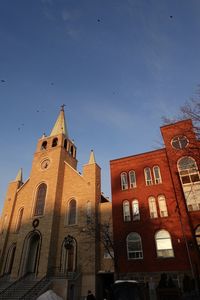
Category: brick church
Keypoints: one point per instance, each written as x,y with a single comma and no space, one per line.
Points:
156,209
43,230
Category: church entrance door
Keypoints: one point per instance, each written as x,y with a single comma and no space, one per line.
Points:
33,253
70,261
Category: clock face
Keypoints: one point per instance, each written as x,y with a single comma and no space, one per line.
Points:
45,164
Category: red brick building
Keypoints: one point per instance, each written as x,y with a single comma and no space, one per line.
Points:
156,208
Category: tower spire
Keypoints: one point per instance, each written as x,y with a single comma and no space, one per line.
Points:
92,158
60,125
19,175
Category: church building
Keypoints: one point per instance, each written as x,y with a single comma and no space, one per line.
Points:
43,228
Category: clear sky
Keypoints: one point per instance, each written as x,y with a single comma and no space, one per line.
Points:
118,65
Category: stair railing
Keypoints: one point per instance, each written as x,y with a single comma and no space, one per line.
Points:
31,294
11,285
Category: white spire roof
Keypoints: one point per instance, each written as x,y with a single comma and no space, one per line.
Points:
60,125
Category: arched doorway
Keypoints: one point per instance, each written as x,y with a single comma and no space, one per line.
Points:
30,257
68,255
10,259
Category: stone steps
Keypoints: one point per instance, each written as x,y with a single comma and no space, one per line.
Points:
25,288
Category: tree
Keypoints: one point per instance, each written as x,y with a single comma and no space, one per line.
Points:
103,233
190,110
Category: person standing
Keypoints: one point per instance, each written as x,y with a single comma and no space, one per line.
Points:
90,296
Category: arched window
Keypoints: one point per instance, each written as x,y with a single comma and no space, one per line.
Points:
189,176
74,154
162,206
44,145
148,177
164,244
19,220
65,144
88,211
124,181
136,212
71,219
71,150
188,170
132,179
40,200
55,142
134,246
156,174
152,207
126,211
197,235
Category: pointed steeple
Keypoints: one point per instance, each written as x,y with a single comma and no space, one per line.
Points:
19,175
60,125
92,158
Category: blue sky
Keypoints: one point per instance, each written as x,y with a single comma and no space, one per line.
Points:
118,65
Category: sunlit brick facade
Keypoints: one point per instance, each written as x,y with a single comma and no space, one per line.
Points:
44,223
156,208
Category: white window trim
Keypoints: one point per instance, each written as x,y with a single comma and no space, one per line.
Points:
167,250
136,251
124,186
153,213
124,212
163,213
136,217
159,179
132,184
148,181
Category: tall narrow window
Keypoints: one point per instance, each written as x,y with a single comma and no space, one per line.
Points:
3,226
72,212
152,207
44,145
72,150
55,142
88,212
197,235
40,200
136,213
65,144
148,177
126,211
156,174
162,206
19,220
164,244
132,179
124,181
134,246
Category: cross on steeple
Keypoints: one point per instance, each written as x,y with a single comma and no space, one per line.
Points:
62,107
